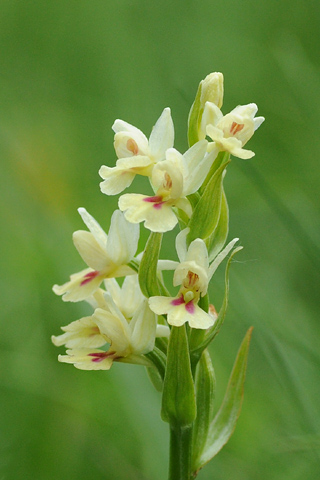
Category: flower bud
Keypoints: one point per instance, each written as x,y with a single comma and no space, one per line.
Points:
212,89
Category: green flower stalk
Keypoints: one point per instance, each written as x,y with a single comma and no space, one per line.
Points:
142,321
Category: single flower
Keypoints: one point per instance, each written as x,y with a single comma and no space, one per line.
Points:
120,339
172,180
193,274
106,255
232,131
136,154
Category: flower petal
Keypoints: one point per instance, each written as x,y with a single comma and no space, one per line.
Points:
181,244
94,227
200,319
87,359
158,217
115,180
143,329
221,256
162,135
90,250
81,286
160,305
115,330
82,333
122,240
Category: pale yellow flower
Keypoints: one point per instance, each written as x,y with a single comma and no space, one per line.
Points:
232,131
122,340
136,154
172,179
193,274
106,255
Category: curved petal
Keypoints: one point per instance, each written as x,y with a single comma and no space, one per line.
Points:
162,220
162,135
138,164
200,319
195,154
94,227
114,329
115,180
198,252
160,305
211,115
82,333
158,217
178,316
124,132
221,256
123,239
87,359
143,329
90,250
81,286
181,244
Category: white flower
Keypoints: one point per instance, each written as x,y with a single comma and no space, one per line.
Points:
106,255
193,274
232,131
172,179
136,155
121,340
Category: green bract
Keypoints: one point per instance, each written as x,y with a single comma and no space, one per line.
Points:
206,214
178,400
222,426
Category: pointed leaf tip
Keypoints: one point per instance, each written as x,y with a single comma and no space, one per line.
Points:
225,420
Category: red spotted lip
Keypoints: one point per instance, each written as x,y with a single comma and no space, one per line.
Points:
88,277
157,201
188,306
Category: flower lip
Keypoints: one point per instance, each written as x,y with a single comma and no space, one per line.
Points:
155,199
100,356
88,277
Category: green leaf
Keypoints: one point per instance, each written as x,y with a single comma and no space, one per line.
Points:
178,400
223,424
194,119
205,384
219,236
155,378
214,330
193,199
205,216
148,266
221,159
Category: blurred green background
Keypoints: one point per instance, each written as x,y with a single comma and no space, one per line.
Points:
68,69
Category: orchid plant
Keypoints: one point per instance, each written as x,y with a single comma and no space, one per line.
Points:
141,321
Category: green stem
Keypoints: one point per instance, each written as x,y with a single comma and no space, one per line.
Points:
180,453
